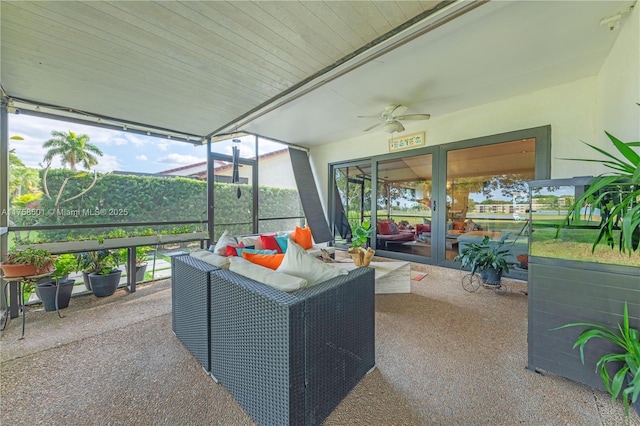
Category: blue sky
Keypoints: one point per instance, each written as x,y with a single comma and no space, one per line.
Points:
123,151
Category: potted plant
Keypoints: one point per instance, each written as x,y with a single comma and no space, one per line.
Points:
105,277
616,194
55,293
588,291
626,380
141,261
489,258
359,239
89,262
27,262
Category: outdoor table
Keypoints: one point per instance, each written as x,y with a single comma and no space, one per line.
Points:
17,302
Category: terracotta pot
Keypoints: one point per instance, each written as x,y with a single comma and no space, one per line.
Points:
524,260
46,269
17,270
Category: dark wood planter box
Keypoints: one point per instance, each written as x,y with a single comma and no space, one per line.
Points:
565,291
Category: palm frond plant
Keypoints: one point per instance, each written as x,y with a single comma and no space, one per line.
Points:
616,194
626,380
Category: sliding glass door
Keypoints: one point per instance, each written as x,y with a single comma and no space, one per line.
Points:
430,203
487,195
404,194
351,199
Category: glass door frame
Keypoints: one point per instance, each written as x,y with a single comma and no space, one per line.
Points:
542,136
435,210
331,205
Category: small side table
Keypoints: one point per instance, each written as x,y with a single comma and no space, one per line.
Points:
16,295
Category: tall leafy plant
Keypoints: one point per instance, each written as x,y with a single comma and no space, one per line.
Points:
627,362
616,194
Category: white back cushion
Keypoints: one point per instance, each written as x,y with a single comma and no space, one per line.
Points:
212,258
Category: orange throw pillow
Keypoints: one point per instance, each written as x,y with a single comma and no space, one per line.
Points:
302,237
271,261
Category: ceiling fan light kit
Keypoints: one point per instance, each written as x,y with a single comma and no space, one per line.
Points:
393,126
391,118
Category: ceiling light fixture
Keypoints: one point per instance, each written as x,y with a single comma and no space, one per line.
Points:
393,126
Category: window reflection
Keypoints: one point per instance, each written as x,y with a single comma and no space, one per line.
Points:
403,203
487,195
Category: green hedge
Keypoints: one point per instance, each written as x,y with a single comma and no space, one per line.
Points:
128,198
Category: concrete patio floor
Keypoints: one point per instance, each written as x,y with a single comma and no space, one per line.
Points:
443,356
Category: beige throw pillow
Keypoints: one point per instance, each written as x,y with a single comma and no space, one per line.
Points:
299,263
253,240
279,280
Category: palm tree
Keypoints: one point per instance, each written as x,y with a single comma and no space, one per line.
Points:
72,149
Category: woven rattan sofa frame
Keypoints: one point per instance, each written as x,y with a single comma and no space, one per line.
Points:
287,358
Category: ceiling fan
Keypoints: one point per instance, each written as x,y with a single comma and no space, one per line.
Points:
391,118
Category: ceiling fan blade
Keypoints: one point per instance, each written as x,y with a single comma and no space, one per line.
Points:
414,117
368,116
398,110
372,127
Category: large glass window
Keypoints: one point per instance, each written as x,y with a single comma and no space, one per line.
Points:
84,187
75,182
487,195
403,200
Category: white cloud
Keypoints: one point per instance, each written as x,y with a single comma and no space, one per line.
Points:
138,141
162,146
179,159
141,157
107,163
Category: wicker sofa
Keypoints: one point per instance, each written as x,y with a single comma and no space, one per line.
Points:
287,358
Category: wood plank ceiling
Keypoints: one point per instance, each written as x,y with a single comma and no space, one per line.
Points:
192,67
